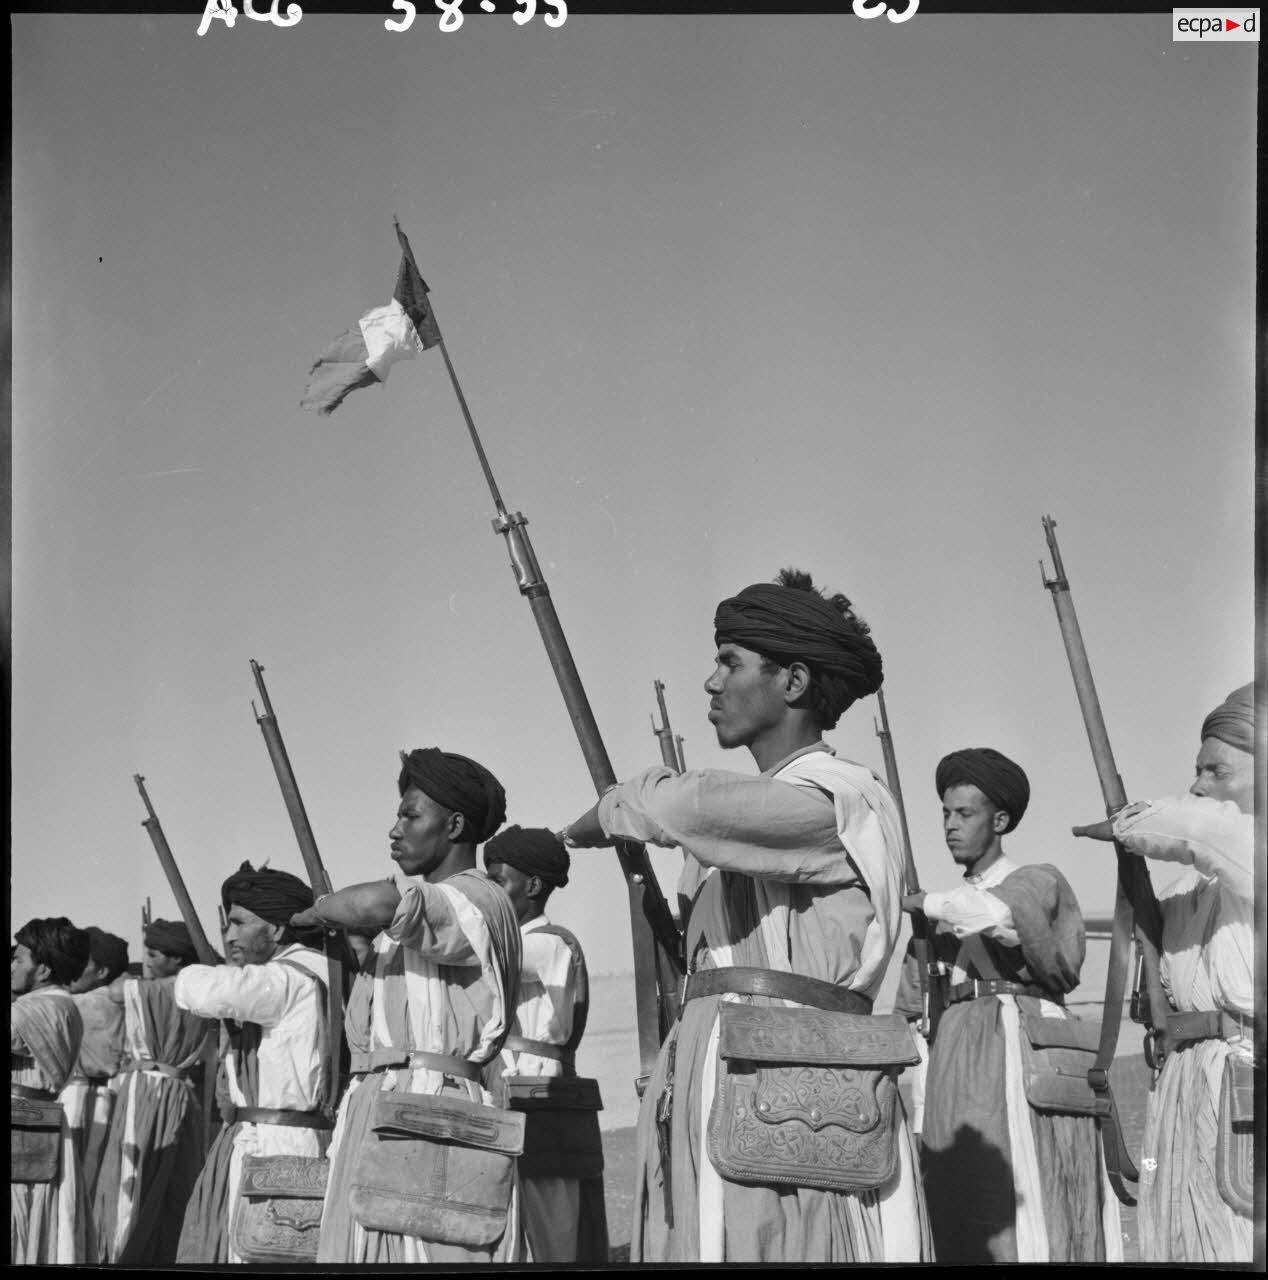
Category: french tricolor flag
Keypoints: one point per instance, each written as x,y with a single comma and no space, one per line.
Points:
362,356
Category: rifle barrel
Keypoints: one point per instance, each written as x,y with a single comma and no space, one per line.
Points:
168,862
286,780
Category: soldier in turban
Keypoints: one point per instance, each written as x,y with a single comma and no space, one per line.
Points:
48,1218
433,1002
561,1170
154,1148
89,1095
1196,1185
1004,1181
795,873
277,1067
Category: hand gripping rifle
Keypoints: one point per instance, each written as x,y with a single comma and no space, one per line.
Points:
929,1011
151,823
334,941
658,961
1134,903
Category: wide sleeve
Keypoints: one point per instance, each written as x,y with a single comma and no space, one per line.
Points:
1048,922
758,826
426,922
1214,836
257,993
967,910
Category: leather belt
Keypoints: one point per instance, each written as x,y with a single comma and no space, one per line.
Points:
382,1059
83,1078
147,1065
289,1119
1206,1024
35,1095
781,986
978,988
539,1048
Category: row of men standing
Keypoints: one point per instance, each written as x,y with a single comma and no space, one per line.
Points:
795,883
469,987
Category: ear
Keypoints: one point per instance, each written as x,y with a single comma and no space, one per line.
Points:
797,681
535,888
43,973
1000,821
277,931
456,829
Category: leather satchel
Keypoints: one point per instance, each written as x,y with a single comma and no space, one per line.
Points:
1057,1054
1235,1145
278,1218
561,1125
36,1139
808,1097
438,1167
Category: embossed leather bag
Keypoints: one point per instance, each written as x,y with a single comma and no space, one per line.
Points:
1235,1145
1057,1054
561,1125
278,1216
36,1143
807,1097
439,1167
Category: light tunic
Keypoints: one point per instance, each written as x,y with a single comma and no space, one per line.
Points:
1208,946
804,875
89,1094
48,1221
287,1070
155,1149
444,979
1006,1183
565,1219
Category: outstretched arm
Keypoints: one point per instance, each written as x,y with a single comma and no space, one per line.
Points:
369,906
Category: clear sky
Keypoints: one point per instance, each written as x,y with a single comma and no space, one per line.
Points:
725,294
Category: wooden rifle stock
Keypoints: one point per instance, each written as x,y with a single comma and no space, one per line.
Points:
183,901
267,721
922,951
334,942
1135,905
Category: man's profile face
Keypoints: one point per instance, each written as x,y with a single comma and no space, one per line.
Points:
970,822
1224,772
744,700
420,838
517,885
158,964
250,939
22,969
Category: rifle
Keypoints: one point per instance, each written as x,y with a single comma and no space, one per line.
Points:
1135,907
670,744
671,754
151,823
334,941
919,921
658,959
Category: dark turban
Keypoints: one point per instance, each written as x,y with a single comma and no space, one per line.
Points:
1001,781
108,951
171,937
55,942
1233,721
458,784
274,896
532,850
791,625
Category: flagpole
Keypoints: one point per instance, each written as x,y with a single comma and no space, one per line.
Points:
658,959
